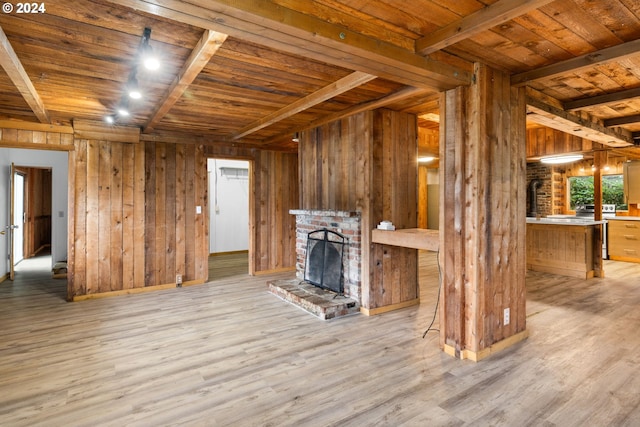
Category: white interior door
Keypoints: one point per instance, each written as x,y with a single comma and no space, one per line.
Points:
18,217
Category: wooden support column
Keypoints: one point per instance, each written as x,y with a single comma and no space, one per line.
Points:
600,158
482,216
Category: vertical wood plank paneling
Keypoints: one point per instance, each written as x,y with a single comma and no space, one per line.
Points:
128,217
92,216
139,204
116,207
161,206
72,223
104,217
180,210
202,226
518,250
272,243
170,215
190,214
78,266
150,214
422,196
453,137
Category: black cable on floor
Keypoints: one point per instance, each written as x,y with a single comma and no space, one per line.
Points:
435,311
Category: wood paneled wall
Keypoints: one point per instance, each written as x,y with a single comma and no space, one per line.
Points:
544,141
133,219
367,163
393,271
136,220
483,210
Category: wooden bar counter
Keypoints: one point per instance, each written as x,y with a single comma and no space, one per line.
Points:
568,247
415,238
394,279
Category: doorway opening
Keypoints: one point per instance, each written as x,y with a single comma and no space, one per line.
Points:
228,217
35,192
32,195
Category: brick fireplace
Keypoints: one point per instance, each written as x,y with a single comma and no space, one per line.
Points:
347,223
318,300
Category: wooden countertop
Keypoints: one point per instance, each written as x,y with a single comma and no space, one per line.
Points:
624,218
416,238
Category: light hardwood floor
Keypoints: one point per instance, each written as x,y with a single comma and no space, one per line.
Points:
228,353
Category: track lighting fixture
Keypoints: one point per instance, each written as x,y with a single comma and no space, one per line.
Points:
146,57
134,88
149,59
123,108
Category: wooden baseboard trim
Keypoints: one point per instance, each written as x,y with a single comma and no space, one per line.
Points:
276,270
476,356
623,258
391,307
228,253
135,290
3,278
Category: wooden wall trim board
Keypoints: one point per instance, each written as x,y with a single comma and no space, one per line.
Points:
133,291
482,212
30,136
86,129
477,356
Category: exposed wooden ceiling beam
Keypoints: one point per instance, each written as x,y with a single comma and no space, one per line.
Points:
579,63
334,89
482,20
207,46
16,72
619,121
548,111
287,30
405,93
608,98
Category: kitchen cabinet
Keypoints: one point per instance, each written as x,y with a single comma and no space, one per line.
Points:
624,239
632,182
565,247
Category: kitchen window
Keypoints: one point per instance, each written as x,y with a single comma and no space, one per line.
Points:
581,191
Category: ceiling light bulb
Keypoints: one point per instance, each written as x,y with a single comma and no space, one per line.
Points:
109,119
135,94
151,63
426,159
134,88
123,111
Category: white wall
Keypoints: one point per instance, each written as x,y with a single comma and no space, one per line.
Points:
228,207
59,164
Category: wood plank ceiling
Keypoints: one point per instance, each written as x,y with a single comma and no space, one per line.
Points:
247,72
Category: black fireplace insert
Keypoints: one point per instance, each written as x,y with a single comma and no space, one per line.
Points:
324,263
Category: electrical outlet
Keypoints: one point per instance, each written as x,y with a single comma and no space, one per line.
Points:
179,280
507,315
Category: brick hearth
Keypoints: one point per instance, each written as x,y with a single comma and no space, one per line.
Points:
319,302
